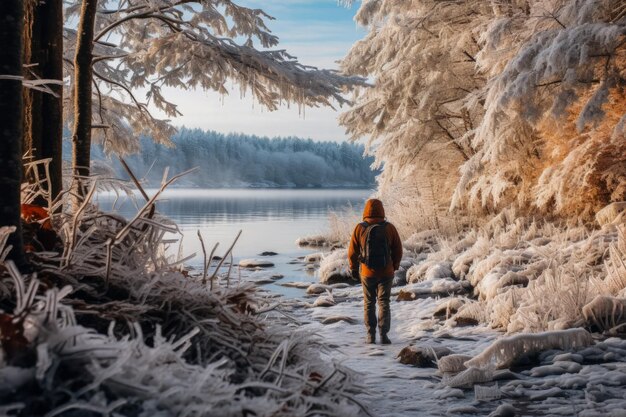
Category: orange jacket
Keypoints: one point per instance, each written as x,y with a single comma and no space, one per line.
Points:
374,212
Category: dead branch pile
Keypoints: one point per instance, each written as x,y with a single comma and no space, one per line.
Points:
112,324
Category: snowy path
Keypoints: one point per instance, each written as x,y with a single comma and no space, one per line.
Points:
397,389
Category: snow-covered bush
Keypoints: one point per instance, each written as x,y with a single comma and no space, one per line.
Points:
606,313
471,312
341,225
614,213
147,379
529,275
335,268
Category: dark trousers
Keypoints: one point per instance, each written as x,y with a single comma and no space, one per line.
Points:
377,289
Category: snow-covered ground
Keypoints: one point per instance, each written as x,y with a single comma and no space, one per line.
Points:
510,309
585,381
396,389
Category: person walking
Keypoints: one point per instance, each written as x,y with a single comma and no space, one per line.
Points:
374,255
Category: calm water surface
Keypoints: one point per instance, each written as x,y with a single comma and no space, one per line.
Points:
271,220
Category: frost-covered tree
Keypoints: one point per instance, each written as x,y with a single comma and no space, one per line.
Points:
506,103
237,160
142,46
553,133
82,92
422,57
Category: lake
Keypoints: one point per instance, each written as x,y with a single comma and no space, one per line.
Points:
270,220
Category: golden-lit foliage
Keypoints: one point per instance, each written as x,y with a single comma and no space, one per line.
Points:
581,172
516,104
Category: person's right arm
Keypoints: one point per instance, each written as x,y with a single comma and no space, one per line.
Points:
354,250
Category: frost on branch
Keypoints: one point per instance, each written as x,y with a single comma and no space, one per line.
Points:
421,55
153,45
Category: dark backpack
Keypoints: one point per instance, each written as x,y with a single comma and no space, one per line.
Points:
375,253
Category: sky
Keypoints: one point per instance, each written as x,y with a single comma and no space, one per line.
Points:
318,32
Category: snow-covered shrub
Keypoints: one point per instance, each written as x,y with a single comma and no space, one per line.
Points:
151,379
471,313
417,273
529,275
424,241
452,364
313,258
606,313
497,281
439,271
334,267
466,259
447,307
500,309
615,281
341,225
316,241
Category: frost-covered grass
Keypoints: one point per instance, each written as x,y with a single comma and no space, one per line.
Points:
341,223
112,324
526,275
334,267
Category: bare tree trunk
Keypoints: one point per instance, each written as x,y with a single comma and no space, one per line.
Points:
83,78
11,24
51,64
31,145
43,113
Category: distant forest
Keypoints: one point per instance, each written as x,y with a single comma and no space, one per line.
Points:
239,160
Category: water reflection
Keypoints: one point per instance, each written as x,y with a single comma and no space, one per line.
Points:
224,206
270,219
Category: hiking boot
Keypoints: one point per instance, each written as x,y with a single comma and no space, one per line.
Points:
384,339
370,339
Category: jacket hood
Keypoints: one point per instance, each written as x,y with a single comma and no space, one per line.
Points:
373,208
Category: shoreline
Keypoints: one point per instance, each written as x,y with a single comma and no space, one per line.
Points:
566,376
561,373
